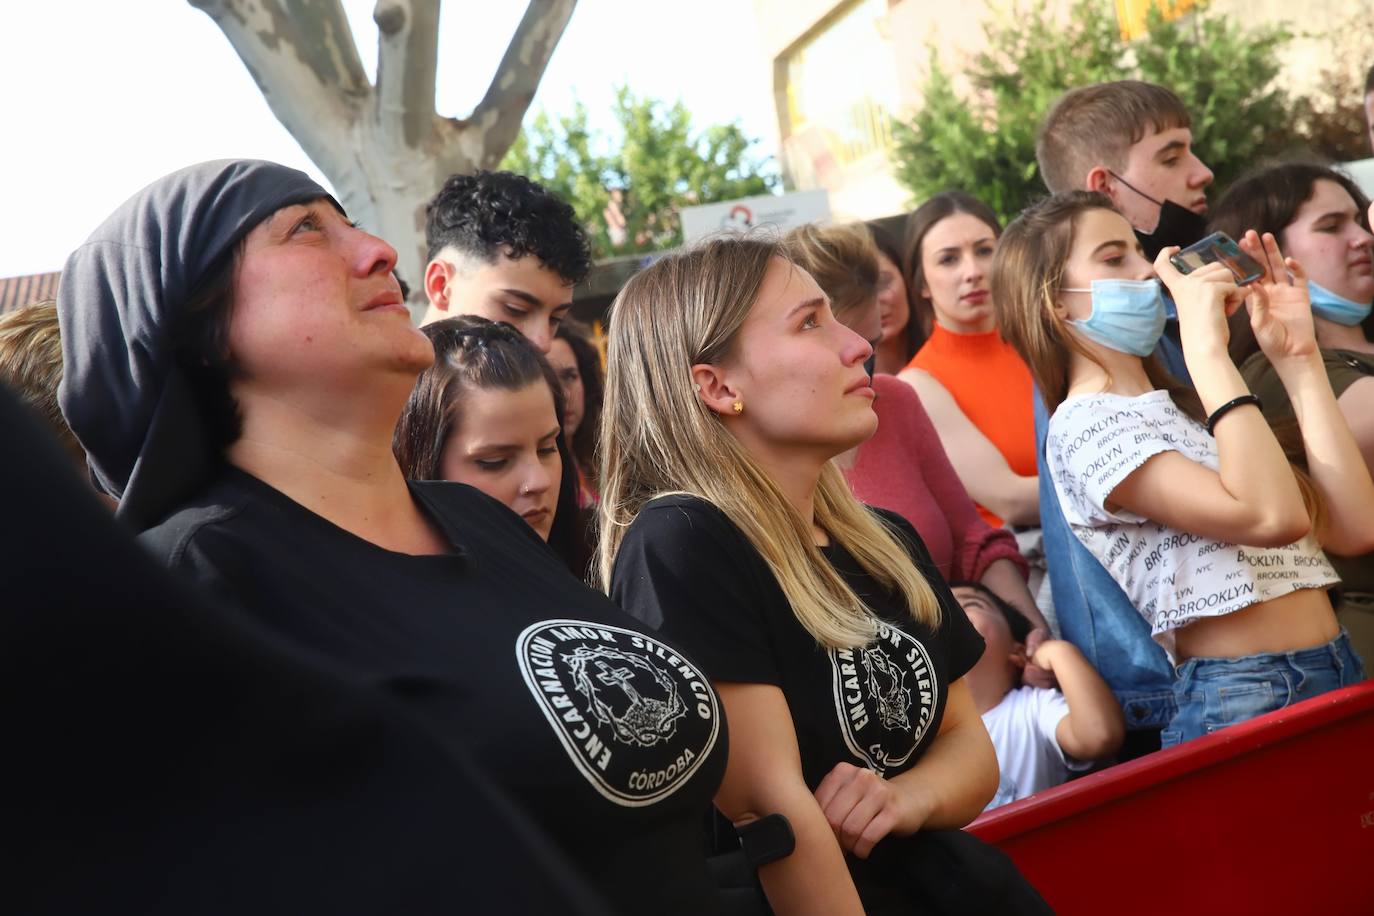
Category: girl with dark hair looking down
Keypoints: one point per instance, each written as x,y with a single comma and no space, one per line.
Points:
487,414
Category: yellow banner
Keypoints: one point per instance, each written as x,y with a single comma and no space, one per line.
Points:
1133,15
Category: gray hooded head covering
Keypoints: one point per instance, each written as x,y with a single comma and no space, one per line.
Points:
121,393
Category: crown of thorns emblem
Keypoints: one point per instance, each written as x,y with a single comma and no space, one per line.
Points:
643,720
886,684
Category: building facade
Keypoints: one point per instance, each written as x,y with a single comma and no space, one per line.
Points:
843,70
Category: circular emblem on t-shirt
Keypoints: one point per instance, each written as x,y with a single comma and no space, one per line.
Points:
884,697
635,717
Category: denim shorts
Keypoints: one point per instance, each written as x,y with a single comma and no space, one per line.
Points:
1213,693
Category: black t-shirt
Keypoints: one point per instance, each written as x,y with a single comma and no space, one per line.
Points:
166,755
609,737
686,569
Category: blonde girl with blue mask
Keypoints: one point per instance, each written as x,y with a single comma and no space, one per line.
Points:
1186,497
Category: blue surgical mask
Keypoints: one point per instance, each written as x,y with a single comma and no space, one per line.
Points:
1328,305
1127,315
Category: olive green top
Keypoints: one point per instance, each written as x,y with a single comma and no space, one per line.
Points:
1343,368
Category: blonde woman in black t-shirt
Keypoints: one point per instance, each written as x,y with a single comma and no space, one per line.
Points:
835,647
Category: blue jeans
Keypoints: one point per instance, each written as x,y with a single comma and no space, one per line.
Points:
1213,693
1095,614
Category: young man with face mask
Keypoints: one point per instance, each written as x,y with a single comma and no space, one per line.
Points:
1131,141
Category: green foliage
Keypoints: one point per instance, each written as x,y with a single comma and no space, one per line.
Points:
1332,117
983,139
629,197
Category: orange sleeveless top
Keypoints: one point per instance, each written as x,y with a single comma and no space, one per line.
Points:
992,386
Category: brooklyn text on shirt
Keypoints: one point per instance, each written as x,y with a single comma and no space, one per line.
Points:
884,697
635,717
1100,433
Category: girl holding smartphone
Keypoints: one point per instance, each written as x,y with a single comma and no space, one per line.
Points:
1187,498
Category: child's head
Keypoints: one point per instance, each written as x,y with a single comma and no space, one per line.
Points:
1047,256
1129,140
1004,629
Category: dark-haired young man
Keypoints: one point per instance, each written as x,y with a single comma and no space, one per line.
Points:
505,248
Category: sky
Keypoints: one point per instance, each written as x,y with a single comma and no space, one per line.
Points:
101,97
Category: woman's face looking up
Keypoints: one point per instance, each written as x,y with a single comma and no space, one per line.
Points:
797,372
317,306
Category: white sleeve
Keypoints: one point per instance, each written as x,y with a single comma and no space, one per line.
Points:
1051,708
1092,445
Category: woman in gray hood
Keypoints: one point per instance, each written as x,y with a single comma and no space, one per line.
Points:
237,353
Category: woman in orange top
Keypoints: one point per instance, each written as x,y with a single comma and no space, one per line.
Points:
974,386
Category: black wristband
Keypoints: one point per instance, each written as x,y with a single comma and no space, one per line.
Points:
1229,406
767,839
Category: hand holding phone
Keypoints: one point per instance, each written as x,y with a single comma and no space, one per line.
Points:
1219,248
1205,298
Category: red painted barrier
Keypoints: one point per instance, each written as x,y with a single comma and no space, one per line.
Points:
1275,815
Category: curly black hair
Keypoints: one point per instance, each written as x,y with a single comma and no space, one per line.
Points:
487,214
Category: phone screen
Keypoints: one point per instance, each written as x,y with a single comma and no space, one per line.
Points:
1219,247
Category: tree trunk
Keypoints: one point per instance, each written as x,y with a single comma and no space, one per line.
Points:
383,147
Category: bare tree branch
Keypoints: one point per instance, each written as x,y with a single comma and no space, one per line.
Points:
407,56
497,118
302,55
384,150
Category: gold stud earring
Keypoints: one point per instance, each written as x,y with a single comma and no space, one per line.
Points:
739,407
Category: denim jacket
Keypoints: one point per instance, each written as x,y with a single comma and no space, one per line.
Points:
1094,613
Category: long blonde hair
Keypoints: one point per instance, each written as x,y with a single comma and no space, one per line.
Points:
658,438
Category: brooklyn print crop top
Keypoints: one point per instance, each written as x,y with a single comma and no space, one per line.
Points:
1172,577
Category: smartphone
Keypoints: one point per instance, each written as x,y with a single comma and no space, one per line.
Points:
1219,247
